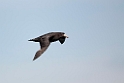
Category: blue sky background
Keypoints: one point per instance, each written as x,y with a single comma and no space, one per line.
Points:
93,53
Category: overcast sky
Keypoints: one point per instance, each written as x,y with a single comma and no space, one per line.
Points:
93,53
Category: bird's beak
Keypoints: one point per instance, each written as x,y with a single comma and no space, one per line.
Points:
66,36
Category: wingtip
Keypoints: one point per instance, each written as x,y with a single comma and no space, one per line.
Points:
33,59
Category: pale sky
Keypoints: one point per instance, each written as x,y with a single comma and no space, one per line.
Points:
93,53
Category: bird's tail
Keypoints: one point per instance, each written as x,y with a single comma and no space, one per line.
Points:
35,40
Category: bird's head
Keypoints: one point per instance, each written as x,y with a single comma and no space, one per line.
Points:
62,34
65,35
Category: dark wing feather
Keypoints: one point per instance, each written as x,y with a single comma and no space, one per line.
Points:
44,43
62,40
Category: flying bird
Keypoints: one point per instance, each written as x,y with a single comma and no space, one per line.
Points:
46,39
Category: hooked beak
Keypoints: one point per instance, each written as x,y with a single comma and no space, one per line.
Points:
66,36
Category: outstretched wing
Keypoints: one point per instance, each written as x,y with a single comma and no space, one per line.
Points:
44,43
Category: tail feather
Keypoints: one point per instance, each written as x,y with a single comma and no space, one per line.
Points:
31,40
35,40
